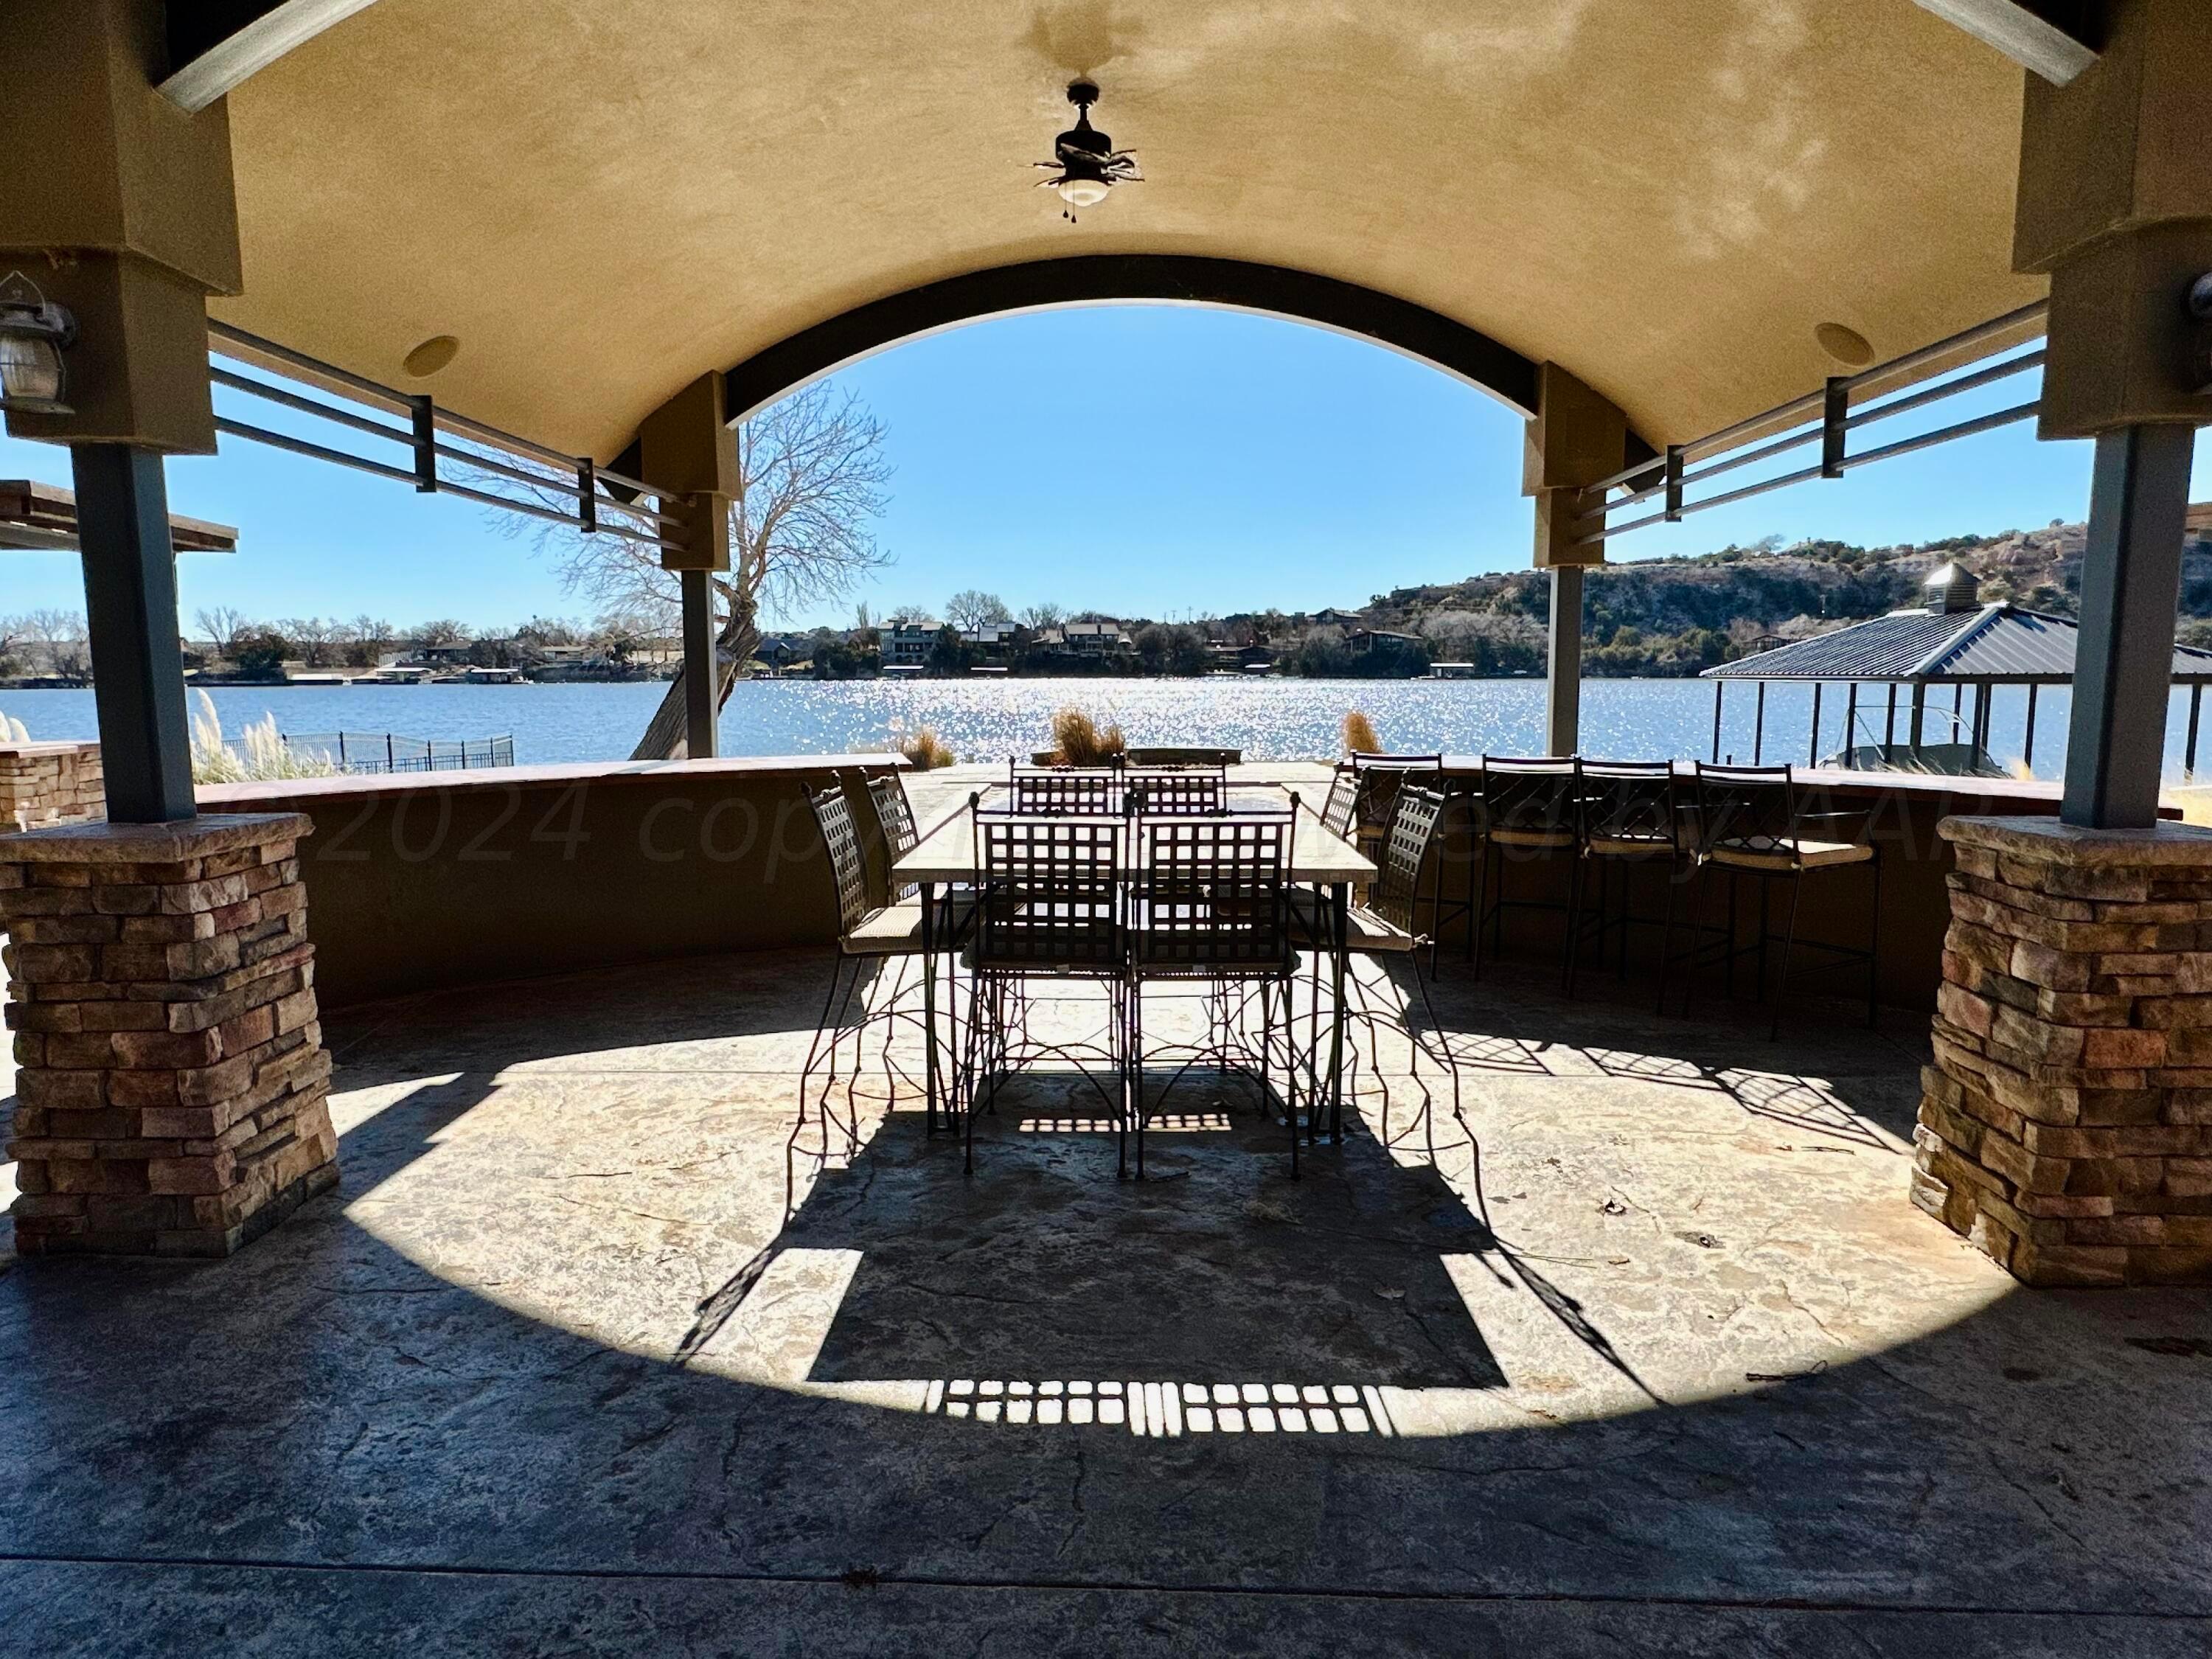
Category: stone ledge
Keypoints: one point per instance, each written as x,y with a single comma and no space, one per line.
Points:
2047,839
154,843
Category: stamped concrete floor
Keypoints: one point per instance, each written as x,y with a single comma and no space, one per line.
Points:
1651,1356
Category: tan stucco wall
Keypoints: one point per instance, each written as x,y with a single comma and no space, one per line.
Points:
468,877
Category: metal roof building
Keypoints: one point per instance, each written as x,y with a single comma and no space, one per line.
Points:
1952,640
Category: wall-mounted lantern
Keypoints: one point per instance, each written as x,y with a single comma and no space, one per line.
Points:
33,334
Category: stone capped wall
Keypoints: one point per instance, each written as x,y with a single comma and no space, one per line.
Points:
48,783
2066,1126
172,1095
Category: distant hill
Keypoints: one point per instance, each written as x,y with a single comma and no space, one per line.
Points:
1677,616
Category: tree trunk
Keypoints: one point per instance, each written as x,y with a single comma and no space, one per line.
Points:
665,735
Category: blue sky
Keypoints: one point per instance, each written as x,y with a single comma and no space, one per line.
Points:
1145,460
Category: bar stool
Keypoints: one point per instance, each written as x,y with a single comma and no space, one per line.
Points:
1628,816
1528,805
1753,821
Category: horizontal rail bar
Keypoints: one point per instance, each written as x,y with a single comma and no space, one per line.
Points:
308,405
317,451
549,515
401,402
1750,457
1949,388
564,486
1944,434
1809,405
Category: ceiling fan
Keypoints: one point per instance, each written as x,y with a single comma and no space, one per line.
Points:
1086,165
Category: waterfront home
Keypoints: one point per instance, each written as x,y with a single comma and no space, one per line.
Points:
908,644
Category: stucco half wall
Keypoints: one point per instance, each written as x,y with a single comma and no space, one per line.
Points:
420,882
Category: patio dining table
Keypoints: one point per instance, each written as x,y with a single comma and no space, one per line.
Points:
1317,858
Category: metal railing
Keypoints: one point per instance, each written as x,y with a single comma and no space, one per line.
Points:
1827,418
370,752
603,502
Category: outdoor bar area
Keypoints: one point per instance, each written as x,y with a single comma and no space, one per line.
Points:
1545,1201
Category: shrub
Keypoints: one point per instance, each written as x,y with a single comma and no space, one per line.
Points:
924,749
261,752
1081,741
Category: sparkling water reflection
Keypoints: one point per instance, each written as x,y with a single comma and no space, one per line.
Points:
991,718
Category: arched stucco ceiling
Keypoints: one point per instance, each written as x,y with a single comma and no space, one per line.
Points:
602,201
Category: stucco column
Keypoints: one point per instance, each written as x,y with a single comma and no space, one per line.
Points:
1575,438
688,446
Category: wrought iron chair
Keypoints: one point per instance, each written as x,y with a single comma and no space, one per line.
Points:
1528,805
1209,907
895,820
1753,821
1339,814
1380,776
1087,792
1176,791
1386,929
1050,905
867,935
1630,815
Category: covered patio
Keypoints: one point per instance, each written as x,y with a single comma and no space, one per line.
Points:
404,1259
548,1371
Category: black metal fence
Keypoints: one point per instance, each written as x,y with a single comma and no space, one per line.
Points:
380,751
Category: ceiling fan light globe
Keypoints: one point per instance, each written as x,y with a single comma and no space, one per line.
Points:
1082,192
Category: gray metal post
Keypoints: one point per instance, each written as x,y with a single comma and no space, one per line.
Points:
1562,706
1719,686
702,677
2196,709
2028,758
1851,723
1759,726
2124,659
1919,713
1813,745
131,609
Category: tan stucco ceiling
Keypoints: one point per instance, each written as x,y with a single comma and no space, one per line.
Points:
604,198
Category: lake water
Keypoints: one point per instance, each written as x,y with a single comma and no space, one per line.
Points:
990,719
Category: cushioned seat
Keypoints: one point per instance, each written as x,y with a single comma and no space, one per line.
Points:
1787,853
1364,930
1629,847
895,930
1509,837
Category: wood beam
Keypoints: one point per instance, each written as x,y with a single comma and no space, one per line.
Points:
214,45
2054,39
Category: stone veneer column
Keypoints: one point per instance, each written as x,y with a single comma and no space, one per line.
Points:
2066,1126
172,1094
43,783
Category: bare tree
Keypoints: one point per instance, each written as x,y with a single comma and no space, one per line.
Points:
1044,616
810,477
222,624
970,608
313,637
902,616
372,636
60,637
444,631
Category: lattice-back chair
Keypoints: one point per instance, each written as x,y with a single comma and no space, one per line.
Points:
1380,777
1755,821
1176,791
1384,929
1528,803
866,933
1084,792
1051,904
1631,815
1339,814
1210,905
895,820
